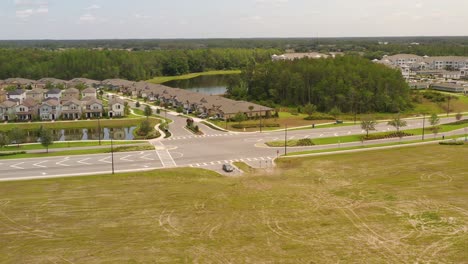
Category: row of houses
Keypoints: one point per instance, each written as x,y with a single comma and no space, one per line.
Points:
450,67
53,104
446,87
211,105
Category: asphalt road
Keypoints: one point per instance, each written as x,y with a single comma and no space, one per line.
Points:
185,149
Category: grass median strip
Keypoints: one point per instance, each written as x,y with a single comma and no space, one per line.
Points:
74,144
79,152
410,208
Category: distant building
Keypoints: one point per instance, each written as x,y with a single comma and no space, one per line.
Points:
296,56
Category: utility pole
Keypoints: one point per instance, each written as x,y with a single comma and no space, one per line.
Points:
260,121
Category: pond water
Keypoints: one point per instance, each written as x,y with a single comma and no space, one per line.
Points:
76,134
209,84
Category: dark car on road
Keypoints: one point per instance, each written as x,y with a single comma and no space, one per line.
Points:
228,168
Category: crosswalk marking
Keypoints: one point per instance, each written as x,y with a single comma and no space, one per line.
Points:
219,162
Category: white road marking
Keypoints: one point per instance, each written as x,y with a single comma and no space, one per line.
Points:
321,135
146,158
336,134
259,140
105,160
83,161
212,163
61,162
306,136
40,166
269,158
292,137
16,166
262,158
125,158
44,173
349,132
219,162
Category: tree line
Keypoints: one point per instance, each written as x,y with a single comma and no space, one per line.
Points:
349,83
136,65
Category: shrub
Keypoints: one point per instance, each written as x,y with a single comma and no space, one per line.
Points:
319,116
452,142
386,135
305,142
241,126
12,153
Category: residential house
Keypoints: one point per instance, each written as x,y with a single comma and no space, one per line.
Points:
27,110
50,109
92,107
70,94
116,107
89,92
53,93
71,109
419,85
117,84
20,83
37,94
450,87
84,81
44,82
18,94
7,110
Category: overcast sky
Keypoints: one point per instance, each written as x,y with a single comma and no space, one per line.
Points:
97,19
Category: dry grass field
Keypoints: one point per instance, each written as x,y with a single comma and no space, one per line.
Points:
406,205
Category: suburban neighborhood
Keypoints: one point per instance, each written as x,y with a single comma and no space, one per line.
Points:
26,100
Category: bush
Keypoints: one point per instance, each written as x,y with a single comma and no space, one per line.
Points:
386,135
305,142
452,142
319,116
12,153
241,126
460,122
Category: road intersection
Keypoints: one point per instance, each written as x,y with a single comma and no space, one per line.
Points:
185,149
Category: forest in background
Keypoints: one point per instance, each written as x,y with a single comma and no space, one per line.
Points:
351,83
136,66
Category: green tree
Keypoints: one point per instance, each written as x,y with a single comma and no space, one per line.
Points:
459,116
367,124
4,140
17,135
148,111
126,109
310,109
397,123
335,112
145,128
240,117
47,138
251,108
137,104
434,120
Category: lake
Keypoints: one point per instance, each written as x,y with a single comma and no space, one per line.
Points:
77,134
207,84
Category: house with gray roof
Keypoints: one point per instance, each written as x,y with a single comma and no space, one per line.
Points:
85,81
37,94
70,94
27,110
71,109
89,92
42,83
116,107
92,107
7,110
20,82
53,93
50,109
18,94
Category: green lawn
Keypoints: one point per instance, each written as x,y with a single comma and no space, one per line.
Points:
79,152
164,79
345,208
109,123
74,144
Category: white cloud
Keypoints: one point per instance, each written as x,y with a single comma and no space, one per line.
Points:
93,7
87,18
26,13
141,16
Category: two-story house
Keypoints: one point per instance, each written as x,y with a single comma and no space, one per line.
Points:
27,110
18,94
89,92
50,109
92,107
71,109
37,94
53,93
70,94
116,107
7,110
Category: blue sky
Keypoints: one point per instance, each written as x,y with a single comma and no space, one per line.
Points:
90,19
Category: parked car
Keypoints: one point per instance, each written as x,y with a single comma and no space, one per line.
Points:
228,168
